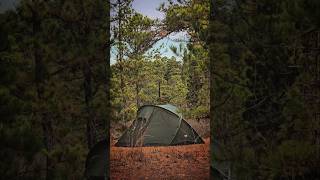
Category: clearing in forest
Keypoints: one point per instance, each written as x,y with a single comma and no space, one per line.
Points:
163,162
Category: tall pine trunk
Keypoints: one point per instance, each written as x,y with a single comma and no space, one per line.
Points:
40,78
87,83
120,57
137,95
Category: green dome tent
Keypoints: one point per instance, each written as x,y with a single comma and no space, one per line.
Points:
159,125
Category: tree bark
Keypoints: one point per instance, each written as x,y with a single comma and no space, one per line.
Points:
40,79
87,83
120,54
137,95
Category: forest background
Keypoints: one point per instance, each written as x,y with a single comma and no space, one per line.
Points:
262,57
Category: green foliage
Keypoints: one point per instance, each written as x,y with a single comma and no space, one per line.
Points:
45,47
260,115
139,79
143,78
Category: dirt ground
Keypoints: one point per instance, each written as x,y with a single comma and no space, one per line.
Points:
170,162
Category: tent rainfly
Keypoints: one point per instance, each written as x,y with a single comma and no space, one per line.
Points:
159,125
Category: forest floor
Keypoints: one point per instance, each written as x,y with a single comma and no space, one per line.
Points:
169,162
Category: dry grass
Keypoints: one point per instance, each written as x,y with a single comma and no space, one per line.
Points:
170,162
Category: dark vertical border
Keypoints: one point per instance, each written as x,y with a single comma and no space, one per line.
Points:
211,59
107,88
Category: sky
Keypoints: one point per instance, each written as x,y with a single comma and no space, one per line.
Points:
7,4
149,8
